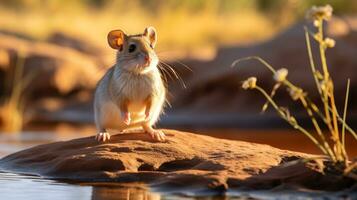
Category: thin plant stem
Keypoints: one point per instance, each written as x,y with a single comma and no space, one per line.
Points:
322,51
317,127
292,86
295,125
289,84
315,109
350,130
336,150
313,69
325,73
344,114
254,58
312,63
339,148
272,94
329,95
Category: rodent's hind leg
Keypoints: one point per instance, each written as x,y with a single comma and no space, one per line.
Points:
103,135
157,135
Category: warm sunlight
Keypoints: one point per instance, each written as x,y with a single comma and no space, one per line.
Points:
178,99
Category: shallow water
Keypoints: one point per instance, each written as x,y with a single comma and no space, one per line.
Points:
18,187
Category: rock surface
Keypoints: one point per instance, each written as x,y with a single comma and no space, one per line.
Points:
185,160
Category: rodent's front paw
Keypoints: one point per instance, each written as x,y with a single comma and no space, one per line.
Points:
157,135
126,118
102,137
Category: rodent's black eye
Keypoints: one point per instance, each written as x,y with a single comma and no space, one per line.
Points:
132,48
151,46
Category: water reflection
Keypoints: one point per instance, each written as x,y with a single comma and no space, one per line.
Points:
122,193
19,187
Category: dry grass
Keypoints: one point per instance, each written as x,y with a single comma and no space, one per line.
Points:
179,28
11,117
332,145
12,106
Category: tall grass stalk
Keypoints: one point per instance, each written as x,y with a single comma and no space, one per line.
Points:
344,114
334,146
12,108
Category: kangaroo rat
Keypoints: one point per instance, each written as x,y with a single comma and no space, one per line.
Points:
131,94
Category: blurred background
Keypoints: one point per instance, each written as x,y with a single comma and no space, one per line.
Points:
53,52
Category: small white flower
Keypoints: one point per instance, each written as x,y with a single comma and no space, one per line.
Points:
295,94
250,83
316,23
320,12
329,42
280,75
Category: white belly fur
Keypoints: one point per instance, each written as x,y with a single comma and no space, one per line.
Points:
109,115
112,119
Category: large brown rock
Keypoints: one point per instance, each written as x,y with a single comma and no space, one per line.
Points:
53,69
185,160
102,55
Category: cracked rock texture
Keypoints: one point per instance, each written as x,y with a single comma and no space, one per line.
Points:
185,160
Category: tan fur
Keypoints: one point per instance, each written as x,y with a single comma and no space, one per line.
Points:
132,87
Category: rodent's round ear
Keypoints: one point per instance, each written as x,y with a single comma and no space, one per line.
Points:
150,32
116,39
